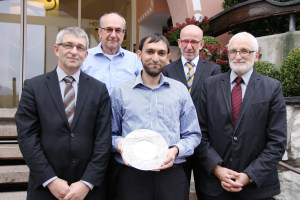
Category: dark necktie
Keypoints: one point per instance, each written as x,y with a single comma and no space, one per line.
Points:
190,75
69,99
236,99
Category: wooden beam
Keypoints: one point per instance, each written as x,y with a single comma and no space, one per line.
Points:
248,11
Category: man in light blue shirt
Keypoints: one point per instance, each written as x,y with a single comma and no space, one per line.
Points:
109,62
152,101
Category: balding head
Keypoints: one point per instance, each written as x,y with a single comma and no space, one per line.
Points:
190,42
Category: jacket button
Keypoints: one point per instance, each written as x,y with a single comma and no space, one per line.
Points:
235,138
73,161
72,135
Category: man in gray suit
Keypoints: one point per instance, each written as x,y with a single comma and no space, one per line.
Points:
243,122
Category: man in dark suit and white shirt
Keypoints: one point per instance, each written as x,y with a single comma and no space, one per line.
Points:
243,122
191,70
64,125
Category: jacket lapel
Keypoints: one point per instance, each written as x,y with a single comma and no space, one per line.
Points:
198,74
253,84
180,71
54,90
83,90
226,89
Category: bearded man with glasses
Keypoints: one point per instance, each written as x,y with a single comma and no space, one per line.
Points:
191,70
243,124
109,62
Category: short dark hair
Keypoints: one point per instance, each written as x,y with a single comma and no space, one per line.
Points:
154,37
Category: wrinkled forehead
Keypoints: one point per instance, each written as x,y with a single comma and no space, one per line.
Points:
241,42
73,39
113,21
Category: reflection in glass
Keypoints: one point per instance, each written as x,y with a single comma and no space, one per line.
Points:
9,53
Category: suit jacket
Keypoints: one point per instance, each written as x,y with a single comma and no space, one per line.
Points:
253,146
51,148
204,69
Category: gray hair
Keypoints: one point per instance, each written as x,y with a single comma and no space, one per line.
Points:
102,18
243,34
76,31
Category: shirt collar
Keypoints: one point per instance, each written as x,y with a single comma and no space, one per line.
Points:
245,77
99,50
61,74
195,60
139,81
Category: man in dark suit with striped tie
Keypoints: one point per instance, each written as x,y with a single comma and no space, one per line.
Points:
191,70
64,125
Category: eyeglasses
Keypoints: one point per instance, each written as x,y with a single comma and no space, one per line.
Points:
110,30
243,52
70,46
187,42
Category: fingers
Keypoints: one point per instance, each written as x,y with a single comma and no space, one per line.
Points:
228,187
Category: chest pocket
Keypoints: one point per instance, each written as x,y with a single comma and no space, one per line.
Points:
169,115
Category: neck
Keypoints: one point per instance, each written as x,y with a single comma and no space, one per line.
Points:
150,81
68,71
110,51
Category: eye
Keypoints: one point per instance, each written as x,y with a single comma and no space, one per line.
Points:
80,48
109,30
184,41
149,51
118,30
162,53
194,42
244,51
68,45
233,51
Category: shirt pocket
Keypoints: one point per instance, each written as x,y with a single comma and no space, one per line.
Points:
169,115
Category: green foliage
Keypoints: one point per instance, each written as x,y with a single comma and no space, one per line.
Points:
229,3
211,40
267,68
290,74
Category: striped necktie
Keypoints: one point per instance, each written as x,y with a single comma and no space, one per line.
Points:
236,98
69,99
190,75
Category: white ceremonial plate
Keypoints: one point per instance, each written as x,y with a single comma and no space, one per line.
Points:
145,149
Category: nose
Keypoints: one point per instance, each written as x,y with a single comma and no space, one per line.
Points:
238,55
74,50
113,33
155,57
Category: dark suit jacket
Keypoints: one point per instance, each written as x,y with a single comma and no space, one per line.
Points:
254,146
50,148
204,69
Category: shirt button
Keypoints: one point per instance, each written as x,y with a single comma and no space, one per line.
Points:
235,138
73,161
72,135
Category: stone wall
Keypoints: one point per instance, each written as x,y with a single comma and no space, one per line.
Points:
290,181
275,48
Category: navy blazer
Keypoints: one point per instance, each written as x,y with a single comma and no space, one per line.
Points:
51,148
254,145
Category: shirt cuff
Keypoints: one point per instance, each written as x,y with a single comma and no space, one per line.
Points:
49,181
88,184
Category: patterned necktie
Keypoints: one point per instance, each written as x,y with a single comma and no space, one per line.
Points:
190,75
236,98
69,99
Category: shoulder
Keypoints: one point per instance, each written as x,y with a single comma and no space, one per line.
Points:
172,64
208,63
175,84
128,53
92,79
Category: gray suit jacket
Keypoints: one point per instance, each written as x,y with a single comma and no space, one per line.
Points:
254,146
51,148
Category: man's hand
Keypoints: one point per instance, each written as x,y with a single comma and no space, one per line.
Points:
59,188
228,179
243,179
78,191
170,159
120,150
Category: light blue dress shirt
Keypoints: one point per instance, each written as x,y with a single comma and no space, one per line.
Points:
167,109
111,71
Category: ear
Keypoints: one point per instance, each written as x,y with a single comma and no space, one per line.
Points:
86,54
201,44
55,49
169,56
139,54
257,56
99,34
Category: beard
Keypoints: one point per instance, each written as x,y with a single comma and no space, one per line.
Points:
151,71
241,68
